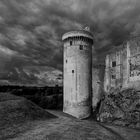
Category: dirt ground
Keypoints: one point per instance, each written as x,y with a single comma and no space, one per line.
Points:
66,127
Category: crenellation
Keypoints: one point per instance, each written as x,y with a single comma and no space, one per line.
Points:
77,41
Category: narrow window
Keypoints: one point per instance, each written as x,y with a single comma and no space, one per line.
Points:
72,71
66,61
114,64
113,77
81,47
70,43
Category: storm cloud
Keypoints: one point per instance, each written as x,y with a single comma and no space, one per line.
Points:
31,30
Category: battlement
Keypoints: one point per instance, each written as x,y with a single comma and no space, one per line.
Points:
82,35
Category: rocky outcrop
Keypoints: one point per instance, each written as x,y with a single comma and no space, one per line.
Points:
121,107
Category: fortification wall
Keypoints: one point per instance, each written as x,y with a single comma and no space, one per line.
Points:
123,67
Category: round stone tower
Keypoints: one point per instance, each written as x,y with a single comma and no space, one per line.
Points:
77,72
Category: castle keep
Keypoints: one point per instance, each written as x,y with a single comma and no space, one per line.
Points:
77,73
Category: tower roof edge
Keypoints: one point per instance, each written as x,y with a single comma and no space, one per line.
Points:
75,33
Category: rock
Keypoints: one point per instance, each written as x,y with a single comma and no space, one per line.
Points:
121,107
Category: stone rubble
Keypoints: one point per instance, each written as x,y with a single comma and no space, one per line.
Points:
121,107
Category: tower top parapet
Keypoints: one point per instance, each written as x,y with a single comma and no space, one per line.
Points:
76,33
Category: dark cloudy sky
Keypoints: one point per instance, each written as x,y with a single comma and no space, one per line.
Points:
31,30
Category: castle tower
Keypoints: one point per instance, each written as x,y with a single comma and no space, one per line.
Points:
77,72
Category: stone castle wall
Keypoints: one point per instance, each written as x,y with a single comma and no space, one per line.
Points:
123,67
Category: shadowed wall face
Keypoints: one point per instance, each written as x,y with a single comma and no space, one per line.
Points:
77,73
97,84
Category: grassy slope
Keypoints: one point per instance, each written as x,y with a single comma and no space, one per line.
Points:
16,112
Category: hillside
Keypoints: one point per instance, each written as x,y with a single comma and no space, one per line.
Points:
16,111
